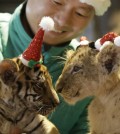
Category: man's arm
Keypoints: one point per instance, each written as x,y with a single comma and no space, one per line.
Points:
81,127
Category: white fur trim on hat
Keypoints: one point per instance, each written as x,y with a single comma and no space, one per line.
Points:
100,6
24,61
97,44
117,41
84,42
106,43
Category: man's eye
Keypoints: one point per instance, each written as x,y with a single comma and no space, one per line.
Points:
57,2
80,14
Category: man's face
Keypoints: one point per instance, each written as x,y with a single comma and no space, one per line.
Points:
70,17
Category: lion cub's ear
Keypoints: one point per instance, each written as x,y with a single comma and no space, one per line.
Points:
69,53
109,59
7,71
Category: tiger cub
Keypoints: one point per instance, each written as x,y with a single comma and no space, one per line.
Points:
26,95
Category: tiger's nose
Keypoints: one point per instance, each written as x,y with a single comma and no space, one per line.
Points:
54,104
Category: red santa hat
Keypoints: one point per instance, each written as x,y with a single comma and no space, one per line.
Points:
32,55
107,39
100,6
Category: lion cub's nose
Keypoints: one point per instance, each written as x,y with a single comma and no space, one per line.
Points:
59,90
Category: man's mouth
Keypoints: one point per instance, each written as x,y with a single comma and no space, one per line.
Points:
58,31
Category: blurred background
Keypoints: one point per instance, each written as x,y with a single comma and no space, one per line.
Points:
110,21
9,5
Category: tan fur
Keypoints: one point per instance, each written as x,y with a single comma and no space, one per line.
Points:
26,94
88,72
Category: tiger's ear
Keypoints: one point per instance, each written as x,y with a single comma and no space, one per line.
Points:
109,59
7,71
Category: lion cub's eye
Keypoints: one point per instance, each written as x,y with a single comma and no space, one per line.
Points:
76,68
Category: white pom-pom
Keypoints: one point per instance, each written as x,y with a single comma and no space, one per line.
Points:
106,43
84,42
117,41
47,23
97,44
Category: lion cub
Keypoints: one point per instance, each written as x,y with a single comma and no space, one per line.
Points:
89,72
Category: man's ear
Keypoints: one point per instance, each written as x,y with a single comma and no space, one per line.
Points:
109,58
8,69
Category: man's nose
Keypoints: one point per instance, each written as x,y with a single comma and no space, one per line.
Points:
63,19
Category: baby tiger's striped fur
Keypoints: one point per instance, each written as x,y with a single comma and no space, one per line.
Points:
25,96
